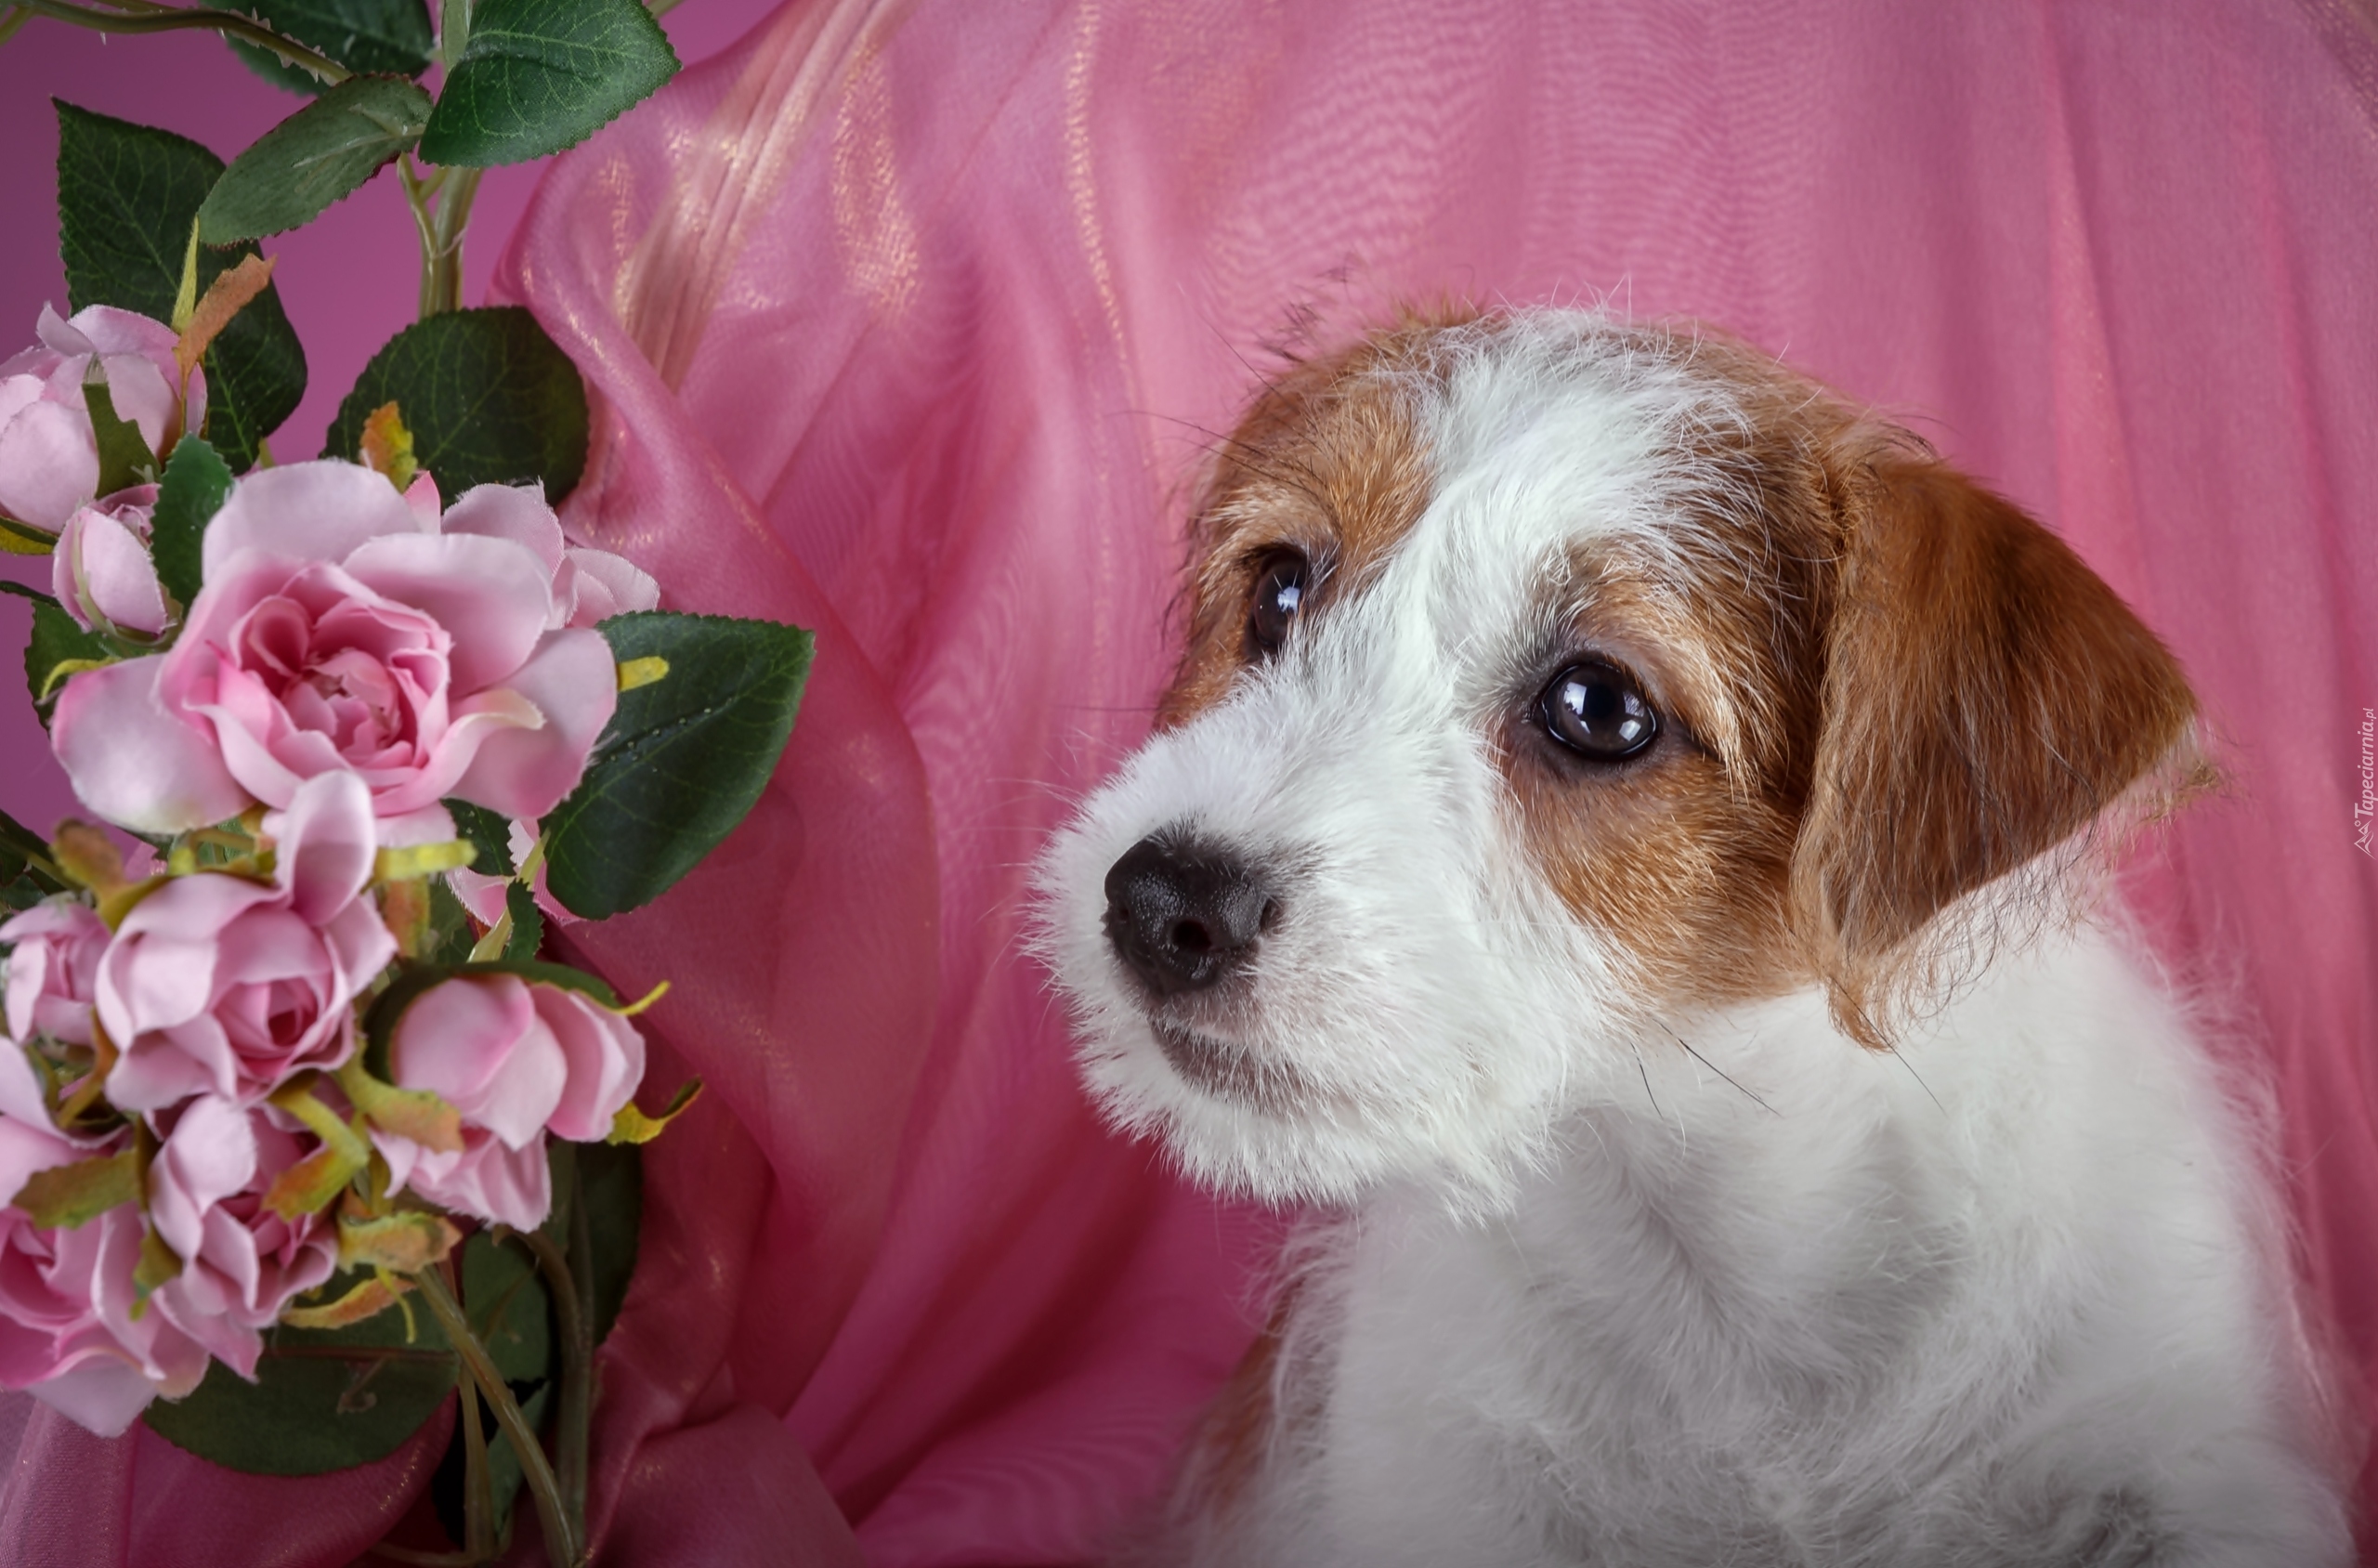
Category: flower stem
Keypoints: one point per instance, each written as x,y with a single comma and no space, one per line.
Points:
163,19
453,216
479,1485
571,1302
561,1541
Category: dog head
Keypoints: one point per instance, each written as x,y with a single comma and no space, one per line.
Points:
1549,678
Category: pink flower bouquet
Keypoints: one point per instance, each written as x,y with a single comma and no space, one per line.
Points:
285,1084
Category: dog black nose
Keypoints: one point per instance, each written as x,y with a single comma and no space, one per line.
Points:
1183,916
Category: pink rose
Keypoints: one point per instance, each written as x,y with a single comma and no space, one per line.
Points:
49,461
518,1059
67,1330
240,1262
53,972
217,983
588,586
340,629
100,568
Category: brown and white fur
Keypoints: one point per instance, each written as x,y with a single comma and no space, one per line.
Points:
1749,1150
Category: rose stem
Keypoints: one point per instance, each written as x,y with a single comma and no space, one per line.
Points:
570,1314
479,1485
163,20
561,1542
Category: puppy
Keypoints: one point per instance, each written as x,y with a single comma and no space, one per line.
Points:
1618,840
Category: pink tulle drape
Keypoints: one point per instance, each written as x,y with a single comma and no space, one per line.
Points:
909,322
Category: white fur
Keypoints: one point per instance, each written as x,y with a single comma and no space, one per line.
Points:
1619,1283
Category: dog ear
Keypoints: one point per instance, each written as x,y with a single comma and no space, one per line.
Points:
1985,696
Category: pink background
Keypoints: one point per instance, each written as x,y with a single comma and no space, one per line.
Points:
905,320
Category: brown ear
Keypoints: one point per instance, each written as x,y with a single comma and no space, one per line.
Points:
1985,696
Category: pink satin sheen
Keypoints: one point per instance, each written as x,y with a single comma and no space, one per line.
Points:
909,323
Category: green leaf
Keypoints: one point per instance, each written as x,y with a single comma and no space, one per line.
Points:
503,1297
383,37
489,399
56,641
124,457
527,921
195,485
127,195
325,150
540,76
610,1183
683,759
323,1398
487,832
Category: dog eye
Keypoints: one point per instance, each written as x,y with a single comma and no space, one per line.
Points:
1279,594
1597,711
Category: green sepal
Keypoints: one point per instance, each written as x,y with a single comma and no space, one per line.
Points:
417,1114
75,1193
403,1242
17,539
632,1126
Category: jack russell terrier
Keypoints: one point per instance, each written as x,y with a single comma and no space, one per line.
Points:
1621,841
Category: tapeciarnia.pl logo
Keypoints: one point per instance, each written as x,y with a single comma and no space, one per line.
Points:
2365,810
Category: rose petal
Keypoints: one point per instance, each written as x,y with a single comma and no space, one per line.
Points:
574,683
595,585
61,336
605,1056
421,496
210,1154
326,845
487,1179
454,1035
50,465
491,594
20,1096
517,513
138,391
135,763
318,510
27,1144
103,1394
104,329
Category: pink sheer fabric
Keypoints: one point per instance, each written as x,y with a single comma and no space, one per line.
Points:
909,322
